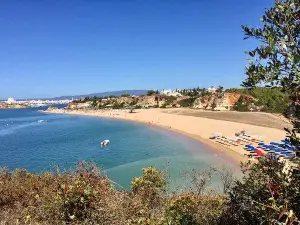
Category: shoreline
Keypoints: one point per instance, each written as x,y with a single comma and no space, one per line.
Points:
196,128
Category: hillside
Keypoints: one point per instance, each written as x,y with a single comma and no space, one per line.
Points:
102,94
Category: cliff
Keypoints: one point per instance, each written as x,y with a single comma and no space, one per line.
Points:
215,101
218,101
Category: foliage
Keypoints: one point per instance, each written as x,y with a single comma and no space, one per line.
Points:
170,100
150,92
85,196
267,194
188,102
183,209
125,95
242,104
269,99
193,209
276,62
94,103
138,107
150,186
118,106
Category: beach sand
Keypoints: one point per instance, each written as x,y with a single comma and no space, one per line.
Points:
192,124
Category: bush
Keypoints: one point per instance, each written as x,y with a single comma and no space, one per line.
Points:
272,99
187,102
267,194
150,186
242,104
150,92
182,210
118,106
138,107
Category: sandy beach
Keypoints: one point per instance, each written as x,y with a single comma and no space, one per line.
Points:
190,122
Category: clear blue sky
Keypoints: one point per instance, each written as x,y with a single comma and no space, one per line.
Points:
54,48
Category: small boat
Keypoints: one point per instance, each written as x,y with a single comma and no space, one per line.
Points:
104,143
41,121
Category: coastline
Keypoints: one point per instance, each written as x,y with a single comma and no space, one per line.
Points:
196,128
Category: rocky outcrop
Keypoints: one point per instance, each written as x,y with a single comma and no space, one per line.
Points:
126,100
52,108
3,105
217,101
151,101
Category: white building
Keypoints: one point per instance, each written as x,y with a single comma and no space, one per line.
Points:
11,101
212,89
170,93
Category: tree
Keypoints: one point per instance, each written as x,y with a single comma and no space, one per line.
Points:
150,92
94,104
276,62
125,95
268,193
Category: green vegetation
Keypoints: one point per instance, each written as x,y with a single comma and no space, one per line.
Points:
265,195
170,100
188,102
150,92
276,61
119,106
268,99
268,193
138,107
94,104
125,95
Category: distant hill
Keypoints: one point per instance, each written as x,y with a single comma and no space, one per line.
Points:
101,94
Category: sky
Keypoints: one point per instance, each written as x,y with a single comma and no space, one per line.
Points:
55,48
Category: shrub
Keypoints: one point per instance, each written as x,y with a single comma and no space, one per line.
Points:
150,186
272,99
267,194
138,107
187,102
182,209
242,104
150,92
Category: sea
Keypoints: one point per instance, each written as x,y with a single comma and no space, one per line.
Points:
41,142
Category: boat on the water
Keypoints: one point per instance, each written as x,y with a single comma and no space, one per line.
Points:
104,143
41,121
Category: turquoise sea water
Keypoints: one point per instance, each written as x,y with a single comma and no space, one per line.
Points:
65,139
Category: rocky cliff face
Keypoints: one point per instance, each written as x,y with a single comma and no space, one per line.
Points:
217,101
126,100
220,102
151,101
3,105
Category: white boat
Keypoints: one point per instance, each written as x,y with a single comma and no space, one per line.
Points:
104,143
41,121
